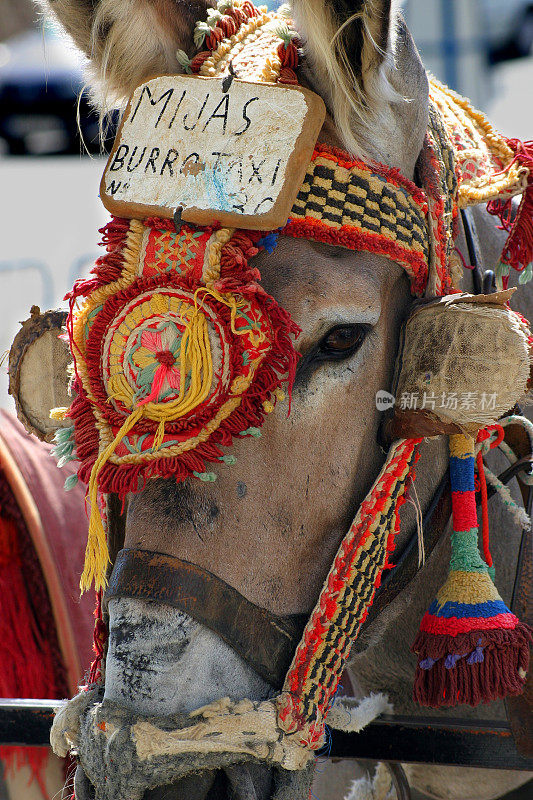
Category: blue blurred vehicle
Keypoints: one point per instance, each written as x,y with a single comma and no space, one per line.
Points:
509,25
40,86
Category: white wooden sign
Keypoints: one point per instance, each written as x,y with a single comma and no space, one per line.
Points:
237,157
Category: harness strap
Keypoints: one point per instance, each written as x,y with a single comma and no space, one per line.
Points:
520,708
474,250
406,565
264,640
518,440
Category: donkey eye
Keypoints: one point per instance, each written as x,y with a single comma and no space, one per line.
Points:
342,341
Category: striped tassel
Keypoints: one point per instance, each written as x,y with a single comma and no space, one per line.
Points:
470,647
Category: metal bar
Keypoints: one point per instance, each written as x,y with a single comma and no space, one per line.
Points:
27,722
453,742
457,742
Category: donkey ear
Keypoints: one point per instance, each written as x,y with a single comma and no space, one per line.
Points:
350,55
127,41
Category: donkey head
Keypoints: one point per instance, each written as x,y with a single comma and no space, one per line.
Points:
272,522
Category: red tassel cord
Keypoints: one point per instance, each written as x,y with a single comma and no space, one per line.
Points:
518,250
30,655
470,647
99,642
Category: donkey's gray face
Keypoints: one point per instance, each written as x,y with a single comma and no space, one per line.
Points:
271,524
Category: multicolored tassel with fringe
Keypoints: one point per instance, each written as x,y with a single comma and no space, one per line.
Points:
470,647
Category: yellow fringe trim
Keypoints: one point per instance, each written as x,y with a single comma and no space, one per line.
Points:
512,180
96,552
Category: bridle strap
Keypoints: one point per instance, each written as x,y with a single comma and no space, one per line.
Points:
264,640
474,250
406,564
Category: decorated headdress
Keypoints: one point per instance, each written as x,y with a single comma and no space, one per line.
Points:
178,349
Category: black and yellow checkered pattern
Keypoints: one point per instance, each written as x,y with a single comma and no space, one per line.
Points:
363,200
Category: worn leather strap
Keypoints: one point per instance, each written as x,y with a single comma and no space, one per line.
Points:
475,252
520,708
266,641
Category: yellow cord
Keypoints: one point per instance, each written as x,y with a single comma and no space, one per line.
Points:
195,356
228,300
97,553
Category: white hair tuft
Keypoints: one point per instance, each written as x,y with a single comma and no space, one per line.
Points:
358,102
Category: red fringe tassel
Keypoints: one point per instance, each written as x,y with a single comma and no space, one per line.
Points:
518,250
490,665
99,641
29,651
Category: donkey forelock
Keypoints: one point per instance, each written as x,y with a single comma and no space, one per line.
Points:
358,56
127,41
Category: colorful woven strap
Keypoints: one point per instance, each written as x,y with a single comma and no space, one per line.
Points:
486,162
344,600
345,202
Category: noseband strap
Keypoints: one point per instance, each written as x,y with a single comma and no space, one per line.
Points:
264,640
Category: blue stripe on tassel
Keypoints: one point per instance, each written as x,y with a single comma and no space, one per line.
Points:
462,474
466,610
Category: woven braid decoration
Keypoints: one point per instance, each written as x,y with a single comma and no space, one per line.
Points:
346,202
491,169
260,46
177,349
344,600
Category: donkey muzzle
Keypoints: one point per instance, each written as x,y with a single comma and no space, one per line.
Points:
125,755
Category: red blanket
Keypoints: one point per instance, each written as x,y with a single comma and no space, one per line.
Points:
56,524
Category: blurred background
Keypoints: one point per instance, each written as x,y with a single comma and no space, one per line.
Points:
50,159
